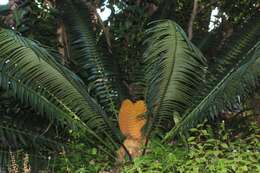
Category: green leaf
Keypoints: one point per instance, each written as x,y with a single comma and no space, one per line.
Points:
224,145
241,81
96,70
174,68
37,81
190,139
232,51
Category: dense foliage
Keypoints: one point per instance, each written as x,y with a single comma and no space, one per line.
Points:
64,74
207,152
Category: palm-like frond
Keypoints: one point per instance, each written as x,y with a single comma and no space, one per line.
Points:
24,130
240,82
13,137
37,81
21,127
236,47
174,70
96,70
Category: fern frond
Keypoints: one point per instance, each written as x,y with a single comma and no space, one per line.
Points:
35,80
13,137
240,82
96,70
174,68
236,47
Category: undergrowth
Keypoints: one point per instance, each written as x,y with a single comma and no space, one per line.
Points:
206,153
206,149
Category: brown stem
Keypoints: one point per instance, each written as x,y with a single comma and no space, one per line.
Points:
192,18
63,41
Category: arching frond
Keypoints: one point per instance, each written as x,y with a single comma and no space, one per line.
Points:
36,80
24,131
174,70
236,47
13,137
21,127
97,71
240,82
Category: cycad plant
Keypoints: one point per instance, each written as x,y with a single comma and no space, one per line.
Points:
84,96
